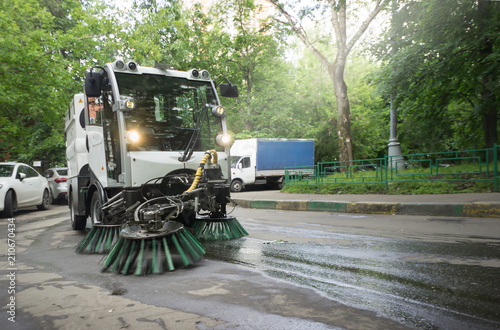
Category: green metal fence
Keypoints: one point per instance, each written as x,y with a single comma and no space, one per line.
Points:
455,166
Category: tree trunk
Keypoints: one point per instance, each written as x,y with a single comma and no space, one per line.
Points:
248,120
248,125
490,119
336,70
343,109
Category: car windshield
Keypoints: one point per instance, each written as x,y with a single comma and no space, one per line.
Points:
168,110
6,170
61,171
234,160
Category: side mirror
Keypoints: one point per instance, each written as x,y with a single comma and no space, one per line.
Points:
228,90
21,176
93,84
240,166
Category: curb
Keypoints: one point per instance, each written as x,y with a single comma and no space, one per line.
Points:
477,210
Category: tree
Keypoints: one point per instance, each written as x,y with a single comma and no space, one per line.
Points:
251,55
46,47
446,72
336,69
157,34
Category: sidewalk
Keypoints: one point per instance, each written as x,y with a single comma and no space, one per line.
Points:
464,205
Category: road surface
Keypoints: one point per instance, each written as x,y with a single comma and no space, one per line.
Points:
296,270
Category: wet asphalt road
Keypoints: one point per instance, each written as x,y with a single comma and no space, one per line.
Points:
424,272
295,270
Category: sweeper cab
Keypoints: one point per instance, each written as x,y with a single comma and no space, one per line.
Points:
148,157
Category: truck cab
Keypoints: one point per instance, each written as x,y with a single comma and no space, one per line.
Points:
242,172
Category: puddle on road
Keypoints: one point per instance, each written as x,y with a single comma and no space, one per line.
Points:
420,284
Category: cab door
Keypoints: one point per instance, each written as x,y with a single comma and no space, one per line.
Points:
245,170
103,139
95,138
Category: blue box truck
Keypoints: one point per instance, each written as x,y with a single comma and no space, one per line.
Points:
263,161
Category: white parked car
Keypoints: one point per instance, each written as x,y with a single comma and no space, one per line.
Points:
21,186
58,186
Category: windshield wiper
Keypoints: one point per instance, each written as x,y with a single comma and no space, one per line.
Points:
188,152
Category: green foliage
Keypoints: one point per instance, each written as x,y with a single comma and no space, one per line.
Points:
369,112
335,189
252,58
155,34
441,61
427,187
399,188
43,50
469,182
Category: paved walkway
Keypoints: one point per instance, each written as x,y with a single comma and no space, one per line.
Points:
467,205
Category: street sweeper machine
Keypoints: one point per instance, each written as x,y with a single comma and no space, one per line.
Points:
148,158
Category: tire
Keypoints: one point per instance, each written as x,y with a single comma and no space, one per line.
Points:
236,186
78,222
95,209
280,185
52,200
45,201
9,205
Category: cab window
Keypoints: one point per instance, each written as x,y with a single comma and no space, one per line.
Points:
95,109
245,162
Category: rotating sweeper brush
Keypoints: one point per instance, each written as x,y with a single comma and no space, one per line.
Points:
140,251
153,236
226,227
100,239
106,231
153,242
215,224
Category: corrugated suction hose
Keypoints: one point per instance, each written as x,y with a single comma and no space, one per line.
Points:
208,154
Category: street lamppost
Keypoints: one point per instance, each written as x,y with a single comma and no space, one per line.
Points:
394,148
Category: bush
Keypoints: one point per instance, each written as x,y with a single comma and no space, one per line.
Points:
397,188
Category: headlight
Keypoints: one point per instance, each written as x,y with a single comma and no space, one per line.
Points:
119,65
133,137
127,103
132,66
130,104
205,74
223,139
218,111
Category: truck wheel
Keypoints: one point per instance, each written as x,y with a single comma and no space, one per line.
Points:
78,222
236,186
95,209
45,201
9,206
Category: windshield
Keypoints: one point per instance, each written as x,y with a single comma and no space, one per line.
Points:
6,170
234,160
168,110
